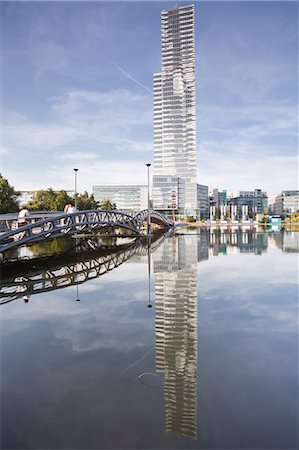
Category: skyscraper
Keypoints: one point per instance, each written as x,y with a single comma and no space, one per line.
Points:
175,112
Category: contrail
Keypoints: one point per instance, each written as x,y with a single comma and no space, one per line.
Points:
128,75
136,362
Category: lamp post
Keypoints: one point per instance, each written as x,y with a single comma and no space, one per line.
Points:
148,201
76,170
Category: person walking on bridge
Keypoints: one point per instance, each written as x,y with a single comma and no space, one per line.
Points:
22,216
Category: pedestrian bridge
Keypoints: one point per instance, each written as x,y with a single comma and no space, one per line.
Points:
82,222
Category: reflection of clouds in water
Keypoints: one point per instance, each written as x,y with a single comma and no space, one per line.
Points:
250,293
95,357
238,266
243,312
108,315
106,328
113,321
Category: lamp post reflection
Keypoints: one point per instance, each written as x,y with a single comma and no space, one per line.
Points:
77,299
149,305
148,201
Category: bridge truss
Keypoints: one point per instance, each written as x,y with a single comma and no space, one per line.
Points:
79,223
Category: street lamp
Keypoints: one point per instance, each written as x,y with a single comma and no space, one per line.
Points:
76,170
148,201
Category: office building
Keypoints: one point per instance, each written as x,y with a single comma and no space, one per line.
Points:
169,194
255,201
217,198
202,202
126,197
285,203
175,110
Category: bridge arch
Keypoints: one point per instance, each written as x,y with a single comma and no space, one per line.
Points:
78,223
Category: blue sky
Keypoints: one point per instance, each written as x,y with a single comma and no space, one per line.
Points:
76,92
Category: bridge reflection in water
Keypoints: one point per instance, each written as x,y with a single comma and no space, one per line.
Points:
84,262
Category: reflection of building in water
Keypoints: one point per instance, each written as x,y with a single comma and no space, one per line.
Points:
246,241
175,267
252,242
203,247
288,241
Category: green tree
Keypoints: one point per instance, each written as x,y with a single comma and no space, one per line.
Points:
8,197
107,205
85,202
50,200
43,200
62,199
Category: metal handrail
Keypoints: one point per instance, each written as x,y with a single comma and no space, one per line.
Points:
77,222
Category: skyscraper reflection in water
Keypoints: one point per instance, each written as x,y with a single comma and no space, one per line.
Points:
175,267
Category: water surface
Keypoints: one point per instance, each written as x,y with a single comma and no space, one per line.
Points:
211,365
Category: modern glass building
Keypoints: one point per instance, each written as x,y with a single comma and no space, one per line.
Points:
175,109
203,202
126,197
168,193
257,201
285,203
217,198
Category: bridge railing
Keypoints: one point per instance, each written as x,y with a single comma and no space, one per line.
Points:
77,222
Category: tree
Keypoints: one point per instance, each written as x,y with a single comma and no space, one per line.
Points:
50,200
8,197
43,200
62,199
85,202
107,205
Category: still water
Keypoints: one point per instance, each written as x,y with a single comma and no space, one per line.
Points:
191,344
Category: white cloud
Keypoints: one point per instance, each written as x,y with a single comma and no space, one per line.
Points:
80,156
264,119
248,171
86,119
60,174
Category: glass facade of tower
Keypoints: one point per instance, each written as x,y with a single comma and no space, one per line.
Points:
169,193
175,105
126,197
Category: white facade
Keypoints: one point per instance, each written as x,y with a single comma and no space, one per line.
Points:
126,197
169,193
285,203
26,196
175,104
